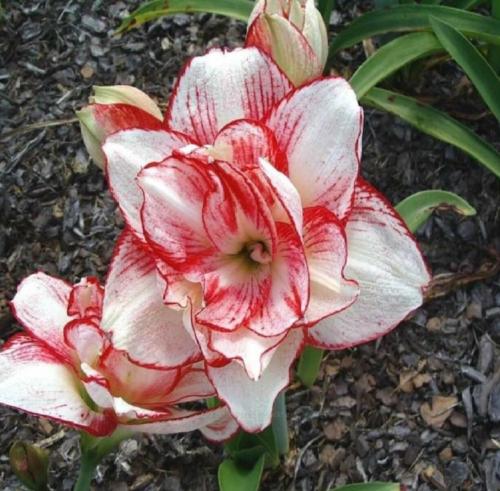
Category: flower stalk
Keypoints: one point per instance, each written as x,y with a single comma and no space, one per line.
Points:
309,365
280,425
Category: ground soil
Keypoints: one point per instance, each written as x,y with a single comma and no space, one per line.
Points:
375,411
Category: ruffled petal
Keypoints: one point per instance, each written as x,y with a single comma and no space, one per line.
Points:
325,111
268,299
40,305
385,260
221,87
127,152
151,332
251,402
174,193
246,346
34,379
326,253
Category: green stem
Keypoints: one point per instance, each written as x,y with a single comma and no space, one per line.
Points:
280,425
94,449
88,464
309,364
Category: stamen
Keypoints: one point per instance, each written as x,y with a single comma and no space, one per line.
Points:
258,252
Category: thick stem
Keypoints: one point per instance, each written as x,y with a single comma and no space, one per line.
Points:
94,449
88,464
280,425
309,365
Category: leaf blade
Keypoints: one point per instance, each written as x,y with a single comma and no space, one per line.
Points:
237,9
472,62
417,208
235,477
415,17
435,123
391,57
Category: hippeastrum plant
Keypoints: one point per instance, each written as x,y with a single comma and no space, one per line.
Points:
248,198
65,366
293,33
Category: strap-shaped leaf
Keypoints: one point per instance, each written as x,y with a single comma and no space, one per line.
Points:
391,57
417,208
416,17
371,486
234,476
238,9
435,123
472,62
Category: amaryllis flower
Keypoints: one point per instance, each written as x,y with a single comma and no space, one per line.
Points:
251,203
293,33
65,368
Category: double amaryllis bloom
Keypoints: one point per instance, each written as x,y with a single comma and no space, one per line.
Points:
65,368
247,197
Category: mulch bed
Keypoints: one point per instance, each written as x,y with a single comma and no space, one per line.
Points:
420,406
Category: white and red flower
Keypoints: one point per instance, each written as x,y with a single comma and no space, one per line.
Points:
65,368
249,200
293,33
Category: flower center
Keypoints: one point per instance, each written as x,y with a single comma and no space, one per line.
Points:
258,253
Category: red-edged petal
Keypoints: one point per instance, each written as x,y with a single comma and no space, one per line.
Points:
174,192
243,142
85,299
326,253
246,346
98,121
40,305
267,299
151,332
86,339
319,127
224,428
251,402
383,257
235,214
127,152
192,385
287,46
221,87
34,379
139,385
172,421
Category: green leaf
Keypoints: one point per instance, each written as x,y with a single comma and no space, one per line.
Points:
246,448
467,4
371,486
391,57
238,9
472,62
415,17
236,477
325,7
309,364
417,208
494,51
436,124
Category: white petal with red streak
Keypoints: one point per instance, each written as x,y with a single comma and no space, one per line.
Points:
221,87
40,305
251,402
151,332
326,252
35,380
127,152
383,257
319,127
172,421
174,192
246,346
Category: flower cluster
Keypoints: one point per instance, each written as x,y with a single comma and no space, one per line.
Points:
249,235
